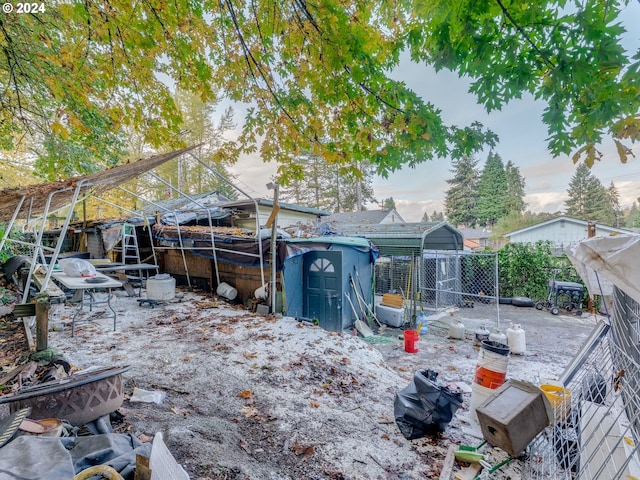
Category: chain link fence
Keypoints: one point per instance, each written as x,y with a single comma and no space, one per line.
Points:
441,279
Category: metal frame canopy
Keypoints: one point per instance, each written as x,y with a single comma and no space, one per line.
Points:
46,197
406,239
39,196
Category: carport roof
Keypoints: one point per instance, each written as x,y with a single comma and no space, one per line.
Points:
35,196
408,238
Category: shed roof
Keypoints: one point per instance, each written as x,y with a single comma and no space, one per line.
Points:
408,238
35,196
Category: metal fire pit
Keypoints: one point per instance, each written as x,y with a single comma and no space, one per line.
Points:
81,398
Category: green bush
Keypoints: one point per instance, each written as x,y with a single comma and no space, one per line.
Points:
524,270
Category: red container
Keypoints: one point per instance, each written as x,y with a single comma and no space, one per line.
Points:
411,338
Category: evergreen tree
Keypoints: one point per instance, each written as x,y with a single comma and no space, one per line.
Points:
514,200
614,201
461,198
588,199
437,216
633,217
492,191
313,182
389,203
425,217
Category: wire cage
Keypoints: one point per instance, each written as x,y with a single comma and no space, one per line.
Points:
441,279
594,435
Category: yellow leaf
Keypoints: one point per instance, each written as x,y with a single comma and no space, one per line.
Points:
629,441
60,130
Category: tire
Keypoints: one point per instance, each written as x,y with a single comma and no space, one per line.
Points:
555,310
539,306
505,300
522,302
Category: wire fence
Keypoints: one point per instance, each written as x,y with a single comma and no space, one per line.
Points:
441,279
596,430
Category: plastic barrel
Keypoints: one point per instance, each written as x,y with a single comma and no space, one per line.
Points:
411,338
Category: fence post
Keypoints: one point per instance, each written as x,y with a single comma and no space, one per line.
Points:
43,305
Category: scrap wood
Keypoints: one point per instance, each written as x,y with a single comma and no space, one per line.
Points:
14,373
392,300
447,466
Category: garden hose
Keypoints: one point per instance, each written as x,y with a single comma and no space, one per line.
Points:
104,470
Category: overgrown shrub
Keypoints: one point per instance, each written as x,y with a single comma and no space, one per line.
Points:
525,270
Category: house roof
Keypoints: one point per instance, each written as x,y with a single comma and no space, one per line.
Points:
599,226
475,232
365,217
263,202
33,199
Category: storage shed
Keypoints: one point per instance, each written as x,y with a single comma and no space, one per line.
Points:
319,275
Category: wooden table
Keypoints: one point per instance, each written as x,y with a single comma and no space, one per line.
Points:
121,269
86,291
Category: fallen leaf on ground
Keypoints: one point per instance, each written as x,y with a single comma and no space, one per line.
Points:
249,412
180,411
250,354
303,451
246,394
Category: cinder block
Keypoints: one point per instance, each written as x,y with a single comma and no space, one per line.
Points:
263,309
514,415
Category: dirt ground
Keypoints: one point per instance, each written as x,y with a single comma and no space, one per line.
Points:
258,397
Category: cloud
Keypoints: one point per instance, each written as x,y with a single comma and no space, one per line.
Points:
546,202
412,210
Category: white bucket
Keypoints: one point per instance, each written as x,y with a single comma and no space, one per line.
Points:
161,287
479,395
262,293
227,291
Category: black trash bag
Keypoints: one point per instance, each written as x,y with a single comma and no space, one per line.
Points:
425,406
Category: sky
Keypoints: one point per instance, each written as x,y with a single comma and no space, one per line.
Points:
522,140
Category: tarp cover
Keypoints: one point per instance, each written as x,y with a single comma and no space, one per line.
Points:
46,458
604,261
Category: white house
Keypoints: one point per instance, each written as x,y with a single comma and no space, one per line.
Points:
560,231
365,217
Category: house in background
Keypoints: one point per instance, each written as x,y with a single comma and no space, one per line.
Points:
479,239
560,231
365,217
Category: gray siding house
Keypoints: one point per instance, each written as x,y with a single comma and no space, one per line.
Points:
560,232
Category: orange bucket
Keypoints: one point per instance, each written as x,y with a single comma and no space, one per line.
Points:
411,338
